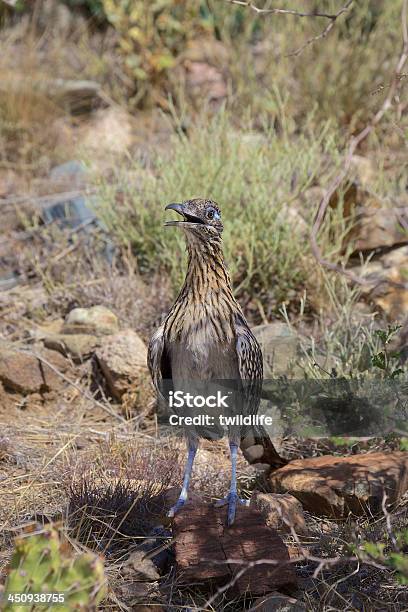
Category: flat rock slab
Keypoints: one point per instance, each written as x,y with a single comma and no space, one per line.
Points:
206,548
334,486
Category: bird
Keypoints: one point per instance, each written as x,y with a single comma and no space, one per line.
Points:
205,340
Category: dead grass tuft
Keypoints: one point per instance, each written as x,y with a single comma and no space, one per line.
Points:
109,517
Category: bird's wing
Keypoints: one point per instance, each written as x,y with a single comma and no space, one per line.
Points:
158,362
250,364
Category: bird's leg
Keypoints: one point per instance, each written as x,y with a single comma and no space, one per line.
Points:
232,498
192,449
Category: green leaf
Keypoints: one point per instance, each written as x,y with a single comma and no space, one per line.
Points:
379,360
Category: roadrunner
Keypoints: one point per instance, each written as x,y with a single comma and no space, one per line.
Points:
205,338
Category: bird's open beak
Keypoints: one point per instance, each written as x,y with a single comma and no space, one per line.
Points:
181,209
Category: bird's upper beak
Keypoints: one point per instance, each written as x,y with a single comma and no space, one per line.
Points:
179,208
176,206
182,210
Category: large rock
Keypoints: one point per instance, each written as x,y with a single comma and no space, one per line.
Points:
204,547
21,372
379,227
279,346
334,486
77,346
79,336
392,266
123,360
280,511
376,223
97,320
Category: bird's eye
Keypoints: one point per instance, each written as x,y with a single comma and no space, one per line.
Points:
210,214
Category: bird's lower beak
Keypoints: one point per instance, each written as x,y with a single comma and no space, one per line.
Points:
179,208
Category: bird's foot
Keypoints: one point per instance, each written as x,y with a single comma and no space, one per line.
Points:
232,499
179,504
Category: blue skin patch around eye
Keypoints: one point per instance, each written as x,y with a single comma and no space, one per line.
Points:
217,216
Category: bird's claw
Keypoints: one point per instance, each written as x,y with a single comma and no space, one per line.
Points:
179,504
232,499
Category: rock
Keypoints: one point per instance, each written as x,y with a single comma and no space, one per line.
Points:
76,96
75,211
21,372
203,544
392,266
334,486
363,171
53,380
97,320
137,593
9,281
108,133
277,602
69,175
77,346
279,346
281,511
377,224
122,358
46,329
142,567
205,65
71,213
260,451
379,227
205,80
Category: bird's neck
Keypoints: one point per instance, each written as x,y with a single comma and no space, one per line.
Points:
206,271
205,308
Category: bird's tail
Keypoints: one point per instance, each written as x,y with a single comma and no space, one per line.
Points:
257,448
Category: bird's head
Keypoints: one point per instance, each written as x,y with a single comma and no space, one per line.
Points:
201,219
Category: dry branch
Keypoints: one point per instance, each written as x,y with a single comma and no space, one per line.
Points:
332,18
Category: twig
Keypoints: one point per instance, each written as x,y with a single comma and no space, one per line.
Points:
280,11
380,88
324,32
388,525
247,565
332,17
354,143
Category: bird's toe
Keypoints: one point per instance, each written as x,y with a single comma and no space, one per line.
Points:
232,499
179,504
